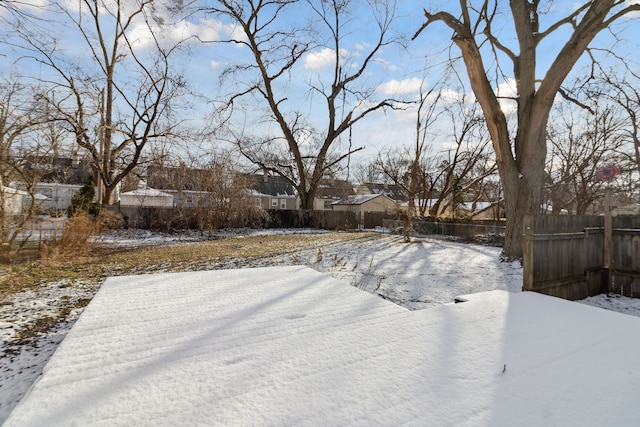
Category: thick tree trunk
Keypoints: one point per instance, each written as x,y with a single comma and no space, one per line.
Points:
306,200
108,197
521,165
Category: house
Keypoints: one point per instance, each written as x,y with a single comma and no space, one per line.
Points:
271,192
58,196
12,200
189,187
393,191
191,199
74,170
146,197
61,178
363,203
482,210
50,195
473,210
330,191
631,209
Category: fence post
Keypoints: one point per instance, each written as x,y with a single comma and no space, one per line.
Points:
608,238
527,254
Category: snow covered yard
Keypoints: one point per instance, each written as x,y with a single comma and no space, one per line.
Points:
421,275
291,346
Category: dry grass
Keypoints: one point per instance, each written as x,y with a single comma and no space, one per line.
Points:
88,267
99,263
74,242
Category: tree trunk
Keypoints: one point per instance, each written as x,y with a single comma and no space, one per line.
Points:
521,166
306,200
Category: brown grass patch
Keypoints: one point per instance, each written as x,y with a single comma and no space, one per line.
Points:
98,263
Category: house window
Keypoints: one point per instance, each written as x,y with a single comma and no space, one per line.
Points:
283,203
274,203
257,201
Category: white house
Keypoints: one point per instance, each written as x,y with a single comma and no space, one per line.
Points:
146,197
52,195
12,200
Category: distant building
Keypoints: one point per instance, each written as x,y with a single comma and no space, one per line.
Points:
393,191
271,192
146,197
12,200
363,203
51,195
631,209
331,191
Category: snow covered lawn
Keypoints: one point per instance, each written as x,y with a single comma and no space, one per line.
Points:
423,275
291,346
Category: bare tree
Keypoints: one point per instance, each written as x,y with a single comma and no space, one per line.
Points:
626,94
581,142
468,161
19,9
22,150
419,186
437,182
300,151
117,99
209,192
521,157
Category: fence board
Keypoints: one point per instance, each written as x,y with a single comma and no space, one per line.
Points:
462,230
625,271
563,256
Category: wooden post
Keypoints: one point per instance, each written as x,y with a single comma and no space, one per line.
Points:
608,237
527,255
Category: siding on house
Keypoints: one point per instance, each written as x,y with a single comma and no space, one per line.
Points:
146,197
56,196
12,200
272,192
359,204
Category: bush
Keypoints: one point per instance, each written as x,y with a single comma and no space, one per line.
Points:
83,201
74,241
108,220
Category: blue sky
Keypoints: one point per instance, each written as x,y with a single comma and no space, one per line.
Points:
397,72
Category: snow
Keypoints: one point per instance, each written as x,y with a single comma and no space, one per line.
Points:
148,192
291,346
358,199
425,275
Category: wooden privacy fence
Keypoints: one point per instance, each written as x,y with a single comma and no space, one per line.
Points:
463,230
166,218
564,256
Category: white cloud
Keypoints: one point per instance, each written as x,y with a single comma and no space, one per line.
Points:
316,61
34,7
170,35
507,93
450,96
401,87
635,14
390,66
75,6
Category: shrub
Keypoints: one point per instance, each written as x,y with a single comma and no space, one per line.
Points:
74,241
83,201
108,220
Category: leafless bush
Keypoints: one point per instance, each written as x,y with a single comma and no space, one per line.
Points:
74,241
109,220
